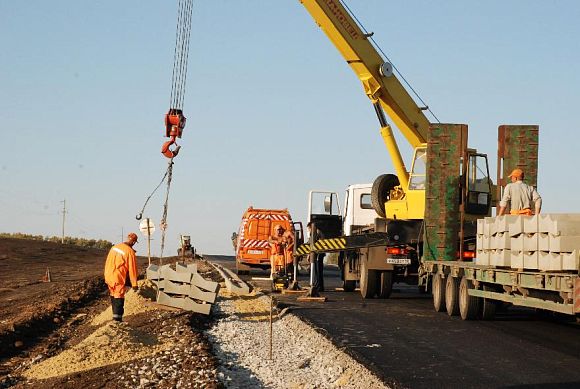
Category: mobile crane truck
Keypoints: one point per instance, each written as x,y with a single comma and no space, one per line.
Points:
389,249
433,217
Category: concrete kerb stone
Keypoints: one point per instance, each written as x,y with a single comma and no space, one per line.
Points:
233,283
169,274
177,288
183,303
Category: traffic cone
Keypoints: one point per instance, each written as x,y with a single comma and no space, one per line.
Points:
47,276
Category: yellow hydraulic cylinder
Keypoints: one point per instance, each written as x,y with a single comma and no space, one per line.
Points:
393,148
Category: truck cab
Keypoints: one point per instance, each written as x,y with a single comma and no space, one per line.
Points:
367,254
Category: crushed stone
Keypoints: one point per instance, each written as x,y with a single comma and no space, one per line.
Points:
302,358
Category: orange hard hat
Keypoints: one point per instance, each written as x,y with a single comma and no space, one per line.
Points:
132,236
517,173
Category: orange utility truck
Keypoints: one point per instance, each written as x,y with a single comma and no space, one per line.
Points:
251,243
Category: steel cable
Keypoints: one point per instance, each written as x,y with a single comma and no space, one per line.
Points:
140,214
388,59
181,53
163,224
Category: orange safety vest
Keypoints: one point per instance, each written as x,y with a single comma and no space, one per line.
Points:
525,212
121,262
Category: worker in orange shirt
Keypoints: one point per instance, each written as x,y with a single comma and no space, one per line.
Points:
120,268
281,249
523,198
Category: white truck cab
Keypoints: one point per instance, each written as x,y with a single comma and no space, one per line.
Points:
357,212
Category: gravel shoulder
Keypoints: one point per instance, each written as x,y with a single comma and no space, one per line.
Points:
301,357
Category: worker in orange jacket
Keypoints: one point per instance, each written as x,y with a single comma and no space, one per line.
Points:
120,268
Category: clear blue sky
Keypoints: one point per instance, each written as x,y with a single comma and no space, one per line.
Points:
273,111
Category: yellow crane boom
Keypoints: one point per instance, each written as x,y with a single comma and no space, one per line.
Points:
378,81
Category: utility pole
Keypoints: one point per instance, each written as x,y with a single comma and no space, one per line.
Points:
122,235
63,219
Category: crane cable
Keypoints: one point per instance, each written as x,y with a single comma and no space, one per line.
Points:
174,119
179,77
163,224
181,54
388,59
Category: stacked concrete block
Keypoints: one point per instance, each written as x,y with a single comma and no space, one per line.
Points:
483,241
183,287
547,242
494,242
559,242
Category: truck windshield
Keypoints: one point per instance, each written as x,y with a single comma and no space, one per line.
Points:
417,179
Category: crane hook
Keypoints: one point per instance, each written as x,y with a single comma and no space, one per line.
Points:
165,150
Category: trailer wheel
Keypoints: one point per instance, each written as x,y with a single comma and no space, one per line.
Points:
347,285
381,191
369,280
438,290
488,306
386,284
452,296
468,305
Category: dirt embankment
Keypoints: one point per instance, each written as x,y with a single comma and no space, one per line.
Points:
59,334
31,307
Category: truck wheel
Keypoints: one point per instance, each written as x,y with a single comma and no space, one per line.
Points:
468,305
452,296
386,285
242,269
347,285
488,306
369,280
381,192
438,290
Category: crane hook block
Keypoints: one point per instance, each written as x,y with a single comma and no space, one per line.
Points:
174,123
165,149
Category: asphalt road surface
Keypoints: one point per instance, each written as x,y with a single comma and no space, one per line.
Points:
408,344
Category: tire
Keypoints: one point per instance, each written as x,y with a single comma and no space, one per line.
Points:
380,192
242,269
468,305
347,285
452,296
488,306
386,284
438,293
369,280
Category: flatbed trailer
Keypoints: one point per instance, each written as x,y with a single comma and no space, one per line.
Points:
475,291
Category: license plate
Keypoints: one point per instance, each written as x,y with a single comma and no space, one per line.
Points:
255,251
399,261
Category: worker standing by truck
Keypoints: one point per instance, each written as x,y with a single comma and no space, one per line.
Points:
121,268
521,196
317,263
